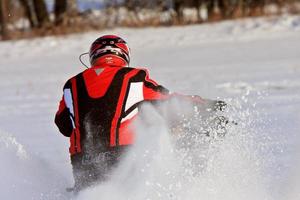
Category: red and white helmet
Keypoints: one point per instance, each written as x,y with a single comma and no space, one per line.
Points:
110,49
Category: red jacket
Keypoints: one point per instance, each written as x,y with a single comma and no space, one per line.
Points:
101,103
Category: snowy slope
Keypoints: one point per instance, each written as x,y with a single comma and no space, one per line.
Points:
254,64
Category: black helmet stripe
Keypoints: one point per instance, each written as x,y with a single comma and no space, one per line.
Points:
123,55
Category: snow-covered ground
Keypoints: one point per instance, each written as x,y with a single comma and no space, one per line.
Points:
254,64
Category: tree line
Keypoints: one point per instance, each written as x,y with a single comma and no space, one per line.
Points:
65,14
36,12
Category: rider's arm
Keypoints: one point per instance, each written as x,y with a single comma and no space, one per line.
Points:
63,117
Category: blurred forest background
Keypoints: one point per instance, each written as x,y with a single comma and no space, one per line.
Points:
31,18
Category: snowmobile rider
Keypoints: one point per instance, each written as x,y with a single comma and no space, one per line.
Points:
98,107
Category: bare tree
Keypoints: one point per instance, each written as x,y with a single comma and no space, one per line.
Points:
4,19
178,7
130,4
29,12
65,10
60,8
41,12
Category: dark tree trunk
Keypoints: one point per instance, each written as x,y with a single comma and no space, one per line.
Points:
64,10
3,19
178,6
222,7
256,7
210,7
41,13
60,9
215,9
29,13
129,4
